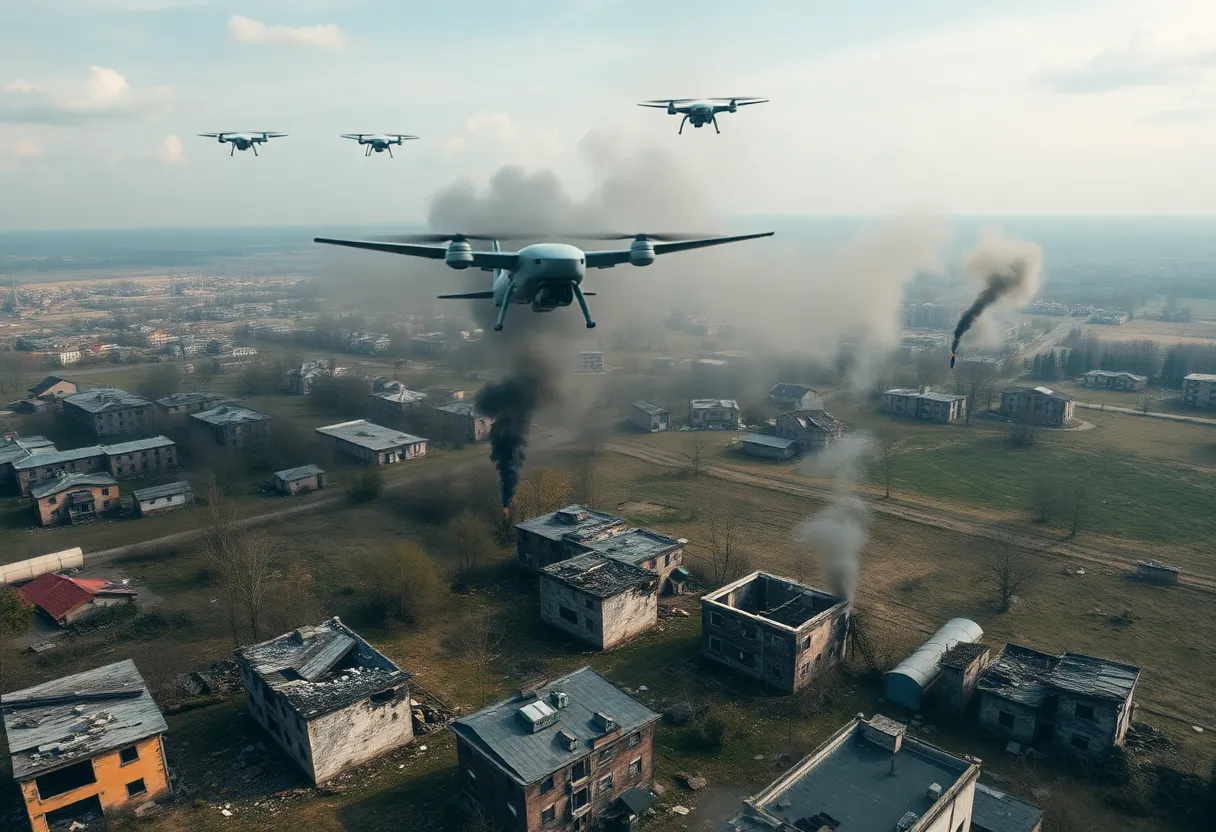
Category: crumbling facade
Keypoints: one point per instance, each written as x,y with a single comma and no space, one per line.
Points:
90,743
599,600
925,405
961,670
649,417
329,699
234,426
108,411
300,479
1070,705
125,459
559,757
714,414
1115,380
811,429
1037,406
461,421
75,498
1199,390
773,629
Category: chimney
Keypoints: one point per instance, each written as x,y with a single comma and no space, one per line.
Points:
934,792
559,699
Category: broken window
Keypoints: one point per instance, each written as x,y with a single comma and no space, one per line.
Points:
580,799
546,784
715,644
579,771
66,779
606,784
605,755
568,614
1084,712
587,603
1080,742
635,767
136,787
750,632
128,755
548,814
634,740
715,619
589,624
1005,719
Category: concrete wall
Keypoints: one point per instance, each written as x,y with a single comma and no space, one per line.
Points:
1101,733
628,614
1025,720
111,423
106,500
313,483
399,454
142,462
111,785
359,732
951,815
34,476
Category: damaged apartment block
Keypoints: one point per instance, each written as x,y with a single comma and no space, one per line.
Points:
598,599
86,745
572,754
329,699
774,629
577,530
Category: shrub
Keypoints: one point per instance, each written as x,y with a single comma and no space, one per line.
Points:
367,486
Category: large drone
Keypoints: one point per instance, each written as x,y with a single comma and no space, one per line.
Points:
379,142
244,141
546,275
701,111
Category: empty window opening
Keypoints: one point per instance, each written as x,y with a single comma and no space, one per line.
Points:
66,779
568,614
136,787
128,755
1005,719
1084,712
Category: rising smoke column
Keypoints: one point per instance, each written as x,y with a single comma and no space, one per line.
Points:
839,531
1009,269
511,403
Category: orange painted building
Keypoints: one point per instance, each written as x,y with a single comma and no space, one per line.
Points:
75,498
86,745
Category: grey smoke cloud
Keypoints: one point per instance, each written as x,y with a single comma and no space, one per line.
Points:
838,533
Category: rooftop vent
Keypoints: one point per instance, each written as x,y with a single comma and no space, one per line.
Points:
884,732
907,822
567,740
559,699
537,716
934,792
571,517
605,722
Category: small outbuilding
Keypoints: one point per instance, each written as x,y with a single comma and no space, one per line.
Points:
768,447
907,684
64,599
1157,572
161,498
300,479
649,417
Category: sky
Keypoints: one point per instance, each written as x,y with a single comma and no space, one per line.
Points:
877,106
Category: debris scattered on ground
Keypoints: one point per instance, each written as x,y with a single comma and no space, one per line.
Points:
1041,793
680,810
689,781
1141,736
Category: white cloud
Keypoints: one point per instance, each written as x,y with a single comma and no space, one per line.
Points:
247,30
106,95
512,141
26,149
170,150
1144,61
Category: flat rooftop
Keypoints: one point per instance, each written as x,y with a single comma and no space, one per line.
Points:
323,668
52,457
459,408
777,600
573,520
636,546
58,723
103,399
601,576
299,472
995,811
137,445
849,779
369,435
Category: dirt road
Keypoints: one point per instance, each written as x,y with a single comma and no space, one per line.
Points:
1174,417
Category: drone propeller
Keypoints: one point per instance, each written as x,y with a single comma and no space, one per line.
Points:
662,238
748,99
663,102
440,238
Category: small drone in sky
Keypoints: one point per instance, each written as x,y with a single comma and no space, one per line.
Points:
244,141
379,142
701,111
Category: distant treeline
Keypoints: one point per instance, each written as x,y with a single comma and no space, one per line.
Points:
1167,366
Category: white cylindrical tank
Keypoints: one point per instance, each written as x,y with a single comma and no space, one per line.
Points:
907,683
27,570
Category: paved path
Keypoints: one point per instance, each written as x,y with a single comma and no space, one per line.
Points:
1173,417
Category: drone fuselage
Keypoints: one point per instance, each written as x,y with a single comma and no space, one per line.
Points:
544,276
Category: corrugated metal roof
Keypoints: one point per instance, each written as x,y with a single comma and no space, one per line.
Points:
167,490
19,448
995,811
1091,676
57,595
229,414
501,736
459,408
710,404
924,664
67,481
1199,377
768,441
647,407
40,460
136,445
785,390
116,710
1019,674
369,435
102,399
299,473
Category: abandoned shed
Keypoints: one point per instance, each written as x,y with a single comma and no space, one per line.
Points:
560,756
912,679
714,413
162,498
1070,704
1157,572
768,447
598,599
327,697
774,629
869,776
64,599
995,811
300,479
90,743
649,417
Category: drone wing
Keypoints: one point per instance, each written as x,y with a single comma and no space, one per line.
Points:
608,259
213,135
481,259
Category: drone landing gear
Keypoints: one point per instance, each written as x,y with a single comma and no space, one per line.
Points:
502,310
254,148
390,152
232,152
716,130
368,152
682,122
582,302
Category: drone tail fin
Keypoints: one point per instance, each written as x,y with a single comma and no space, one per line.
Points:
468,296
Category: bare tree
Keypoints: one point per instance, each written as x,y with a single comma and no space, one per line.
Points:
410,582
1078,502
727,561
468,537
1043,501
481,645
294,600
1008,570
696,455
541,490
242,559
887,444
586,481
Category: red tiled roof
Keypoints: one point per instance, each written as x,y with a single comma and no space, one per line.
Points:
57,595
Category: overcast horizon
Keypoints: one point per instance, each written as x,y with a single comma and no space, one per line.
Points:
1073,108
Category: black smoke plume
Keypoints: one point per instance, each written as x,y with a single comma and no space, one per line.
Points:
1008,267
511,403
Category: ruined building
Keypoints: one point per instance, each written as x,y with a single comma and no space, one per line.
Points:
327,697
575,530
1070,704
910,681
599,600
870,775
86,744
560,757
774,629
108,411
